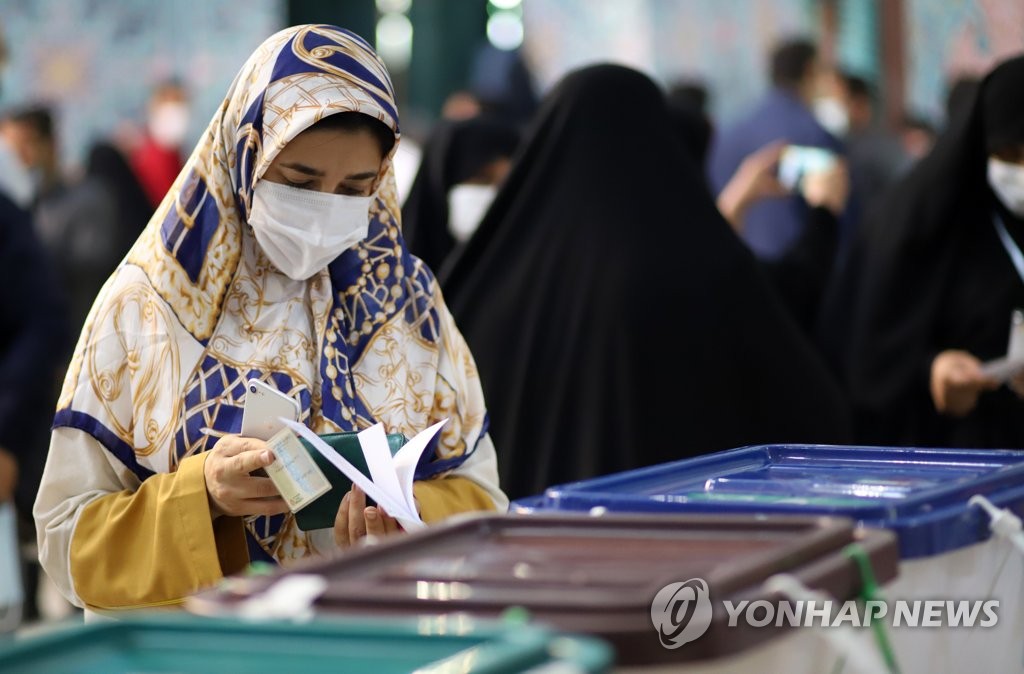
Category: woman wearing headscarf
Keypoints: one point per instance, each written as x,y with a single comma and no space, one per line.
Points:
463,164
616,319
276,255
927,294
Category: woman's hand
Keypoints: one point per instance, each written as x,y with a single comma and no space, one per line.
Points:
231,488
355,521
957,382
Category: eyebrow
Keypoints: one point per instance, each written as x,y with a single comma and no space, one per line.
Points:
310,171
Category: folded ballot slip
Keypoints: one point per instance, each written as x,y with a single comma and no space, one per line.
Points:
1003,369
390,480
294,472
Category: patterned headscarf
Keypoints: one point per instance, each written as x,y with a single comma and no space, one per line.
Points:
196,309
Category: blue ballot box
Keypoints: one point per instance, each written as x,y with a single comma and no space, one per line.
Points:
923,495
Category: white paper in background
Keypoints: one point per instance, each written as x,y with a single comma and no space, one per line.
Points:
1004,369
391,481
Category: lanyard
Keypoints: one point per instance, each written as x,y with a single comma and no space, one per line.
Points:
1012,249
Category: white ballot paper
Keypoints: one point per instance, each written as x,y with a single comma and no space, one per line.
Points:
1004,369
391,477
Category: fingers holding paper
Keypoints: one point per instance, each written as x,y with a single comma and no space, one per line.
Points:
957,381
231,488
355,521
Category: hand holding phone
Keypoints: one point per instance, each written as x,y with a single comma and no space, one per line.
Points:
798,161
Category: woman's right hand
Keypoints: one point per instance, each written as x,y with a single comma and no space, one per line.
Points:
957,382
231,488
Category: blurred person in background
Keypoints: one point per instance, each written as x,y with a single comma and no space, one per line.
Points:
15,182
939,276
92,227
463,164
33,342
157,158
460,105
876,156
802,273
961,93
785,113
690,93
917,136
34,337
688,108
30,132
617,327
501,83
88,224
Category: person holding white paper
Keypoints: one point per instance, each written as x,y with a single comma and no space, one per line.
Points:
924,302
276,255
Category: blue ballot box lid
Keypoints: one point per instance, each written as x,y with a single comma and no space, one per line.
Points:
921,494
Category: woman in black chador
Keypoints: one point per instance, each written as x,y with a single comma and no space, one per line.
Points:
616,319
928,295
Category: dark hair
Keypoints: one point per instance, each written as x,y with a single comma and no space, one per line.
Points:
352,122
790,62
914,122
960,95
858,87
691,94
37,117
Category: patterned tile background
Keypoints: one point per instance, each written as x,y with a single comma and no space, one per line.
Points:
97,60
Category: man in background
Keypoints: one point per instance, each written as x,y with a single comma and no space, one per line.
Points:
876,156
29,133
785,113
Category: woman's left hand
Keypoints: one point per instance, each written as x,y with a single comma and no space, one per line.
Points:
355,521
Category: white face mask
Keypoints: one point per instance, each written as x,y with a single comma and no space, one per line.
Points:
168,124
831,114
1007,181
467,205
303,231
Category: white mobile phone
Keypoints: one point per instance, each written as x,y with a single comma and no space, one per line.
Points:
264,406
799,160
